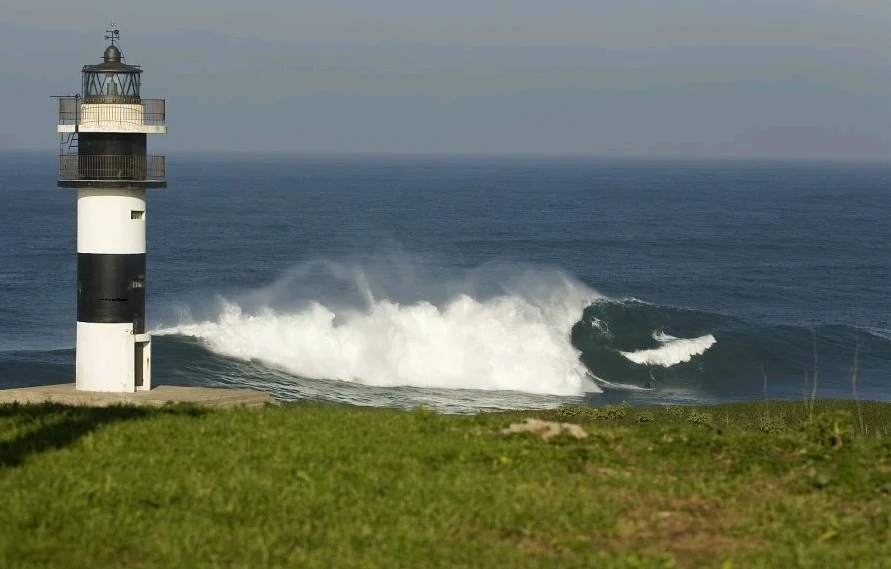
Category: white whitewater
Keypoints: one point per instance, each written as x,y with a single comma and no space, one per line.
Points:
673,350
513,341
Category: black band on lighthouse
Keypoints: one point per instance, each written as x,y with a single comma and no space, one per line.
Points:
111,144
111,289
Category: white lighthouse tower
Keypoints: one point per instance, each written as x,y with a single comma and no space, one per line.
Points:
104,158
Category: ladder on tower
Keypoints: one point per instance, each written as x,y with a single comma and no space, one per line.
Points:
68,144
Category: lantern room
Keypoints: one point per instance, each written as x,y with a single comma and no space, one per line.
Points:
111,81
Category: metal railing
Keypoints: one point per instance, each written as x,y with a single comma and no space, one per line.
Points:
149,112
73,167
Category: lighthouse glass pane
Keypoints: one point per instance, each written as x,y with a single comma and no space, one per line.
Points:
109,86
113,84
92,86
131,84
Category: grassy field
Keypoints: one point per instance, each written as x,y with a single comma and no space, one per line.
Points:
730,486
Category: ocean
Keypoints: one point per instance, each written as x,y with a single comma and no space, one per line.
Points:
471,283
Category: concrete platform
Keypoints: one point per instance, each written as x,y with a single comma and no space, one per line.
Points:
65,394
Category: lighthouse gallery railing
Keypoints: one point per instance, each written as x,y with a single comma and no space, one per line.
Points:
74,167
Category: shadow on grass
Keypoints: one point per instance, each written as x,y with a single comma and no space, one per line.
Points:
62,425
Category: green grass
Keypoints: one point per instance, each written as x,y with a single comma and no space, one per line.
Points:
737,485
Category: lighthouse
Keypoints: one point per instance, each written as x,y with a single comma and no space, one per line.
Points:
103,157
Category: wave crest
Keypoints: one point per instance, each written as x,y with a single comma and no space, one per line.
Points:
673,350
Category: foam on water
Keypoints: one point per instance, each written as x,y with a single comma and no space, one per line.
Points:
515,341
672,351
879,332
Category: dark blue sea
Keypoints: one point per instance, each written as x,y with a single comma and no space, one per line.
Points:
478,283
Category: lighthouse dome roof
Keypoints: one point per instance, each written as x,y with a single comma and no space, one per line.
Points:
112,54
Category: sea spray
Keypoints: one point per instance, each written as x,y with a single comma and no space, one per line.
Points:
515,340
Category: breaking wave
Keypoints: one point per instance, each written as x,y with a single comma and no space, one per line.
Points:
498,337
513,339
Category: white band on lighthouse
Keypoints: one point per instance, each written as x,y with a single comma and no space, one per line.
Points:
110,221
109,359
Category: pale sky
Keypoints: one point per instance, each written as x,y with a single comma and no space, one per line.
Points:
719,77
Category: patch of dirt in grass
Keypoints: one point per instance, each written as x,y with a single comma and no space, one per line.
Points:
605,472
123,558
539,545
690,529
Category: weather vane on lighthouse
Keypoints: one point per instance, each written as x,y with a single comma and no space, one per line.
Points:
113,34
103,156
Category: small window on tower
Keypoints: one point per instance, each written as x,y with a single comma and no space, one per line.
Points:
137,214
137,283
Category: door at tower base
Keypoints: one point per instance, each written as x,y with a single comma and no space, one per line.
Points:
111,359
143,362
